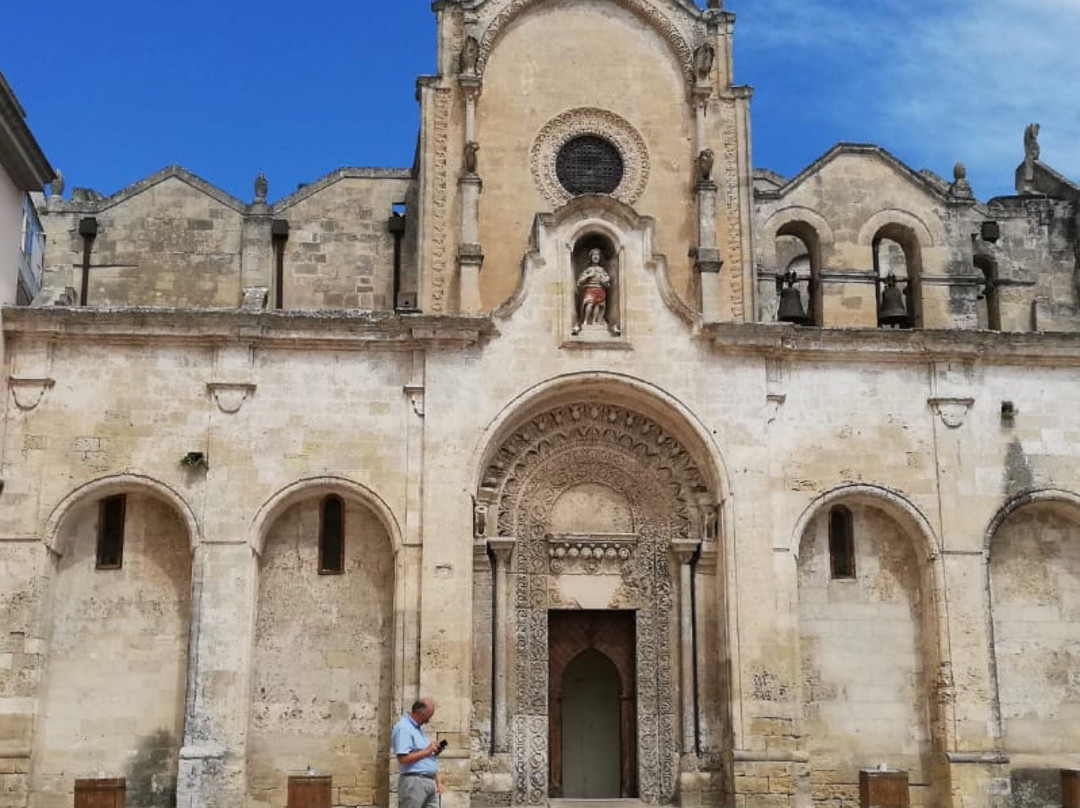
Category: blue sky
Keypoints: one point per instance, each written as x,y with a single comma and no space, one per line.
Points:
116,90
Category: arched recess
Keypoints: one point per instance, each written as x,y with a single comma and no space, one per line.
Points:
117,640
109,486
644,9
323,678
988,302
657,553
1033,580
873,644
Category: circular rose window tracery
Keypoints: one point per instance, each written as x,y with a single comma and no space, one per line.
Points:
589,151
589,165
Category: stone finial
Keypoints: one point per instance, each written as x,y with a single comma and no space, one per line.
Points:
705,162
960,186
470,55
471,150
1031,143
57,185
262,187
704,57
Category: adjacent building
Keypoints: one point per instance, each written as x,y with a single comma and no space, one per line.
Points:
669,478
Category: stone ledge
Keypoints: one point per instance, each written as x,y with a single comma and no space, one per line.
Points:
782,341
330,330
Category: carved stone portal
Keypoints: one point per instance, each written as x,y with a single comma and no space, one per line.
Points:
552,458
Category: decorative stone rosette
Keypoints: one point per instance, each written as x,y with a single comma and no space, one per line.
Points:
573,123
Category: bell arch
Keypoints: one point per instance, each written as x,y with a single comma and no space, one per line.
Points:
662,540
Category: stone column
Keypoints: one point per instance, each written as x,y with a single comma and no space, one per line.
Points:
212,759
503,550
684,551
470,253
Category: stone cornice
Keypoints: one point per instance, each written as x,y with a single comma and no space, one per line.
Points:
319,330
356,330
916,346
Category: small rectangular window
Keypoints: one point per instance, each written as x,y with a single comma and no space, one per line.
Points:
332,537
841,543
110,545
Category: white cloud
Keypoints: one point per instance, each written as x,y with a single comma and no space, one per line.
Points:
939,81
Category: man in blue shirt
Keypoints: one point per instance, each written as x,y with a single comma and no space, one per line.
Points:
419,785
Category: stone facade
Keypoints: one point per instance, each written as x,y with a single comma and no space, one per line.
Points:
838,545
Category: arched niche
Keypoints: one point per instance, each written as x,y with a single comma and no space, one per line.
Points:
875,672
325,634
867,642
1033,571
548,458
596,273
117,640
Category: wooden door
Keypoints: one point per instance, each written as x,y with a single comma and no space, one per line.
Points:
608,636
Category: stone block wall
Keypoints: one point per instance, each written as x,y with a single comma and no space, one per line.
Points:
340,254
1035,591
865,693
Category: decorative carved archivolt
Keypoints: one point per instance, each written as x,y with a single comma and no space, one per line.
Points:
557,451
643,8
589,121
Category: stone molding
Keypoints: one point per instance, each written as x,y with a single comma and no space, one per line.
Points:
589,121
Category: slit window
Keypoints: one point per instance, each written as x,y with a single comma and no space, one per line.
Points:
332,536
110,544
841,543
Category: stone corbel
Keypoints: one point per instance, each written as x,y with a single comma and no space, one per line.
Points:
415,392
952,411
28,392
230,396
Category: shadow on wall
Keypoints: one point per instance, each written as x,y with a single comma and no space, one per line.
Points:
1018,476
151,778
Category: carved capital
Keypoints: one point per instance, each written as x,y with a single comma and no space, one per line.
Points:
952,411
28,392
230,396
684,550
502,548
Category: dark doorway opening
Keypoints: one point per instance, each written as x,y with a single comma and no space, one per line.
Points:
593,705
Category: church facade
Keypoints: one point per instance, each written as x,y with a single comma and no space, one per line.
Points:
668,478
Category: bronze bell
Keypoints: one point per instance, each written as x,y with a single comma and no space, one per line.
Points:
791,305
894,310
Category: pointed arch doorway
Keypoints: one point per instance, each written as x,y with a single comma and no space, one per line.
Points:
592,705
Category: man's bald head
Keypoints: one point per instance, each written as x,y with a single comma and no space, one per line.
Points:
422,710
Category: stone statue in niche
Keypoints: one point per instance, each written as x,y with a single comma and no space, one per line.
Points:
705,162
472,150
593,286
704,57
470,55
